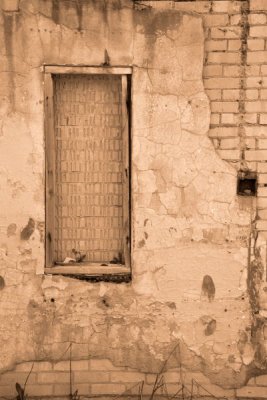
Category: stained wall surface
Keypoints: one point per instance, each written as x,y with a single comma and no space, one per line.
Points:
197,289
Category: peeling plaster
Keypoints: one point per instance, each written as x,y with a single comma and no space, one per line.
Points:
190,234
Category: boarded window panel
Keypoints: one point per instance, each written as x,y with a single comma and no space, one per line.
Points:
89,193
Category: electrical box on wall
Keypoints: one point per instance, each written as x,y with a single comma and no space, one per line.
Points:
247,183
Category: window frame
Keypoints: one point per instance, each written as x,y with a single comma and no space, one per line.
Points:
87,269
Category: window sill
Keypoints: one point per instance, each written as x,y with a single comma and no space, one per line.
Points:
92,272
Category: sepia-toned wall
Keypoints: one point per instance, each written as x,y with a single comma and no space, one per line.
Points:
198,250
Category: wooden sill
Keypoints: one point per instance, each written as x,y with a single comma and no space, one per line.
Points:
88,269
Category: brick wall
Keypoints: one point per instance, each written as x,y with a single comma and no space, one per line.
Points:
235,79
98,377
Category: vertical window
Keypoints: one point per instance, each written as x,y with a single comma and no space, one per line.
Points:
87,168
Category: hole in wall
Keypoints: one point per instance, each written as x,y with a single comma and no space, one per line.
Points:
246,183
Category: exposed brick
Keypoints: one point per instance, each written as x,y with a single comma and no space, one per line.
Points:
262,214
257,19
253,70
262,191
216,20
229,119
263,93
262,178
224,58
231,70
39,390
102,365
256,106
38,366
264,70
262,226
213,70
53,377
91,376
218,45
229,143
256,57
62,389
250,143
255,155
229,154
258,31
83,388
250,118
226,106
111,388
231,94
261,202
222,83
226,6
215,119
262,167
235,19
198,6
234,45
258,5
8,390
125,376
257,131
222,132
256,44
263,119
10,5
252,94
215,94
15,376
256,81
81,365
226,32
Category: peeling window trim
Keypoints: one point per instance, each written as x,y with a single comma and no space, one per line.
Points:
86,270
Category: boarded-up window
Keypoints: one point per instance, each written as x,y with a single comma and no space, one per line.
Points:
88,174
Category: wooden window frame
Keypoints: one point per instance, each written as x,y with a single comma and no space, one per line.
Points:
86,269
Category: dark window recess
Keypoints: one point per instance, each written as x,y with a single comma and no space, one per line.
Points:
247,184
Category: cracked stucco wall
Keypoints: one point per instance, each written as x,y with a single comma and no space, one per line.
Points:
190,232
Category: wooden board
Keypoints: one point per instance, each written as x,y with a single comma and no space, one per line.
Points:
88,167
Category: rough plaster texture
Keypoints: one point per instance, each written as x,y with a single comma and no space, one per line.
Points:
189,230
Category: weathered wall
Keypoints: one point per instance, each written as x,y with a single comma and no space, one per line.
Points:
193,238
